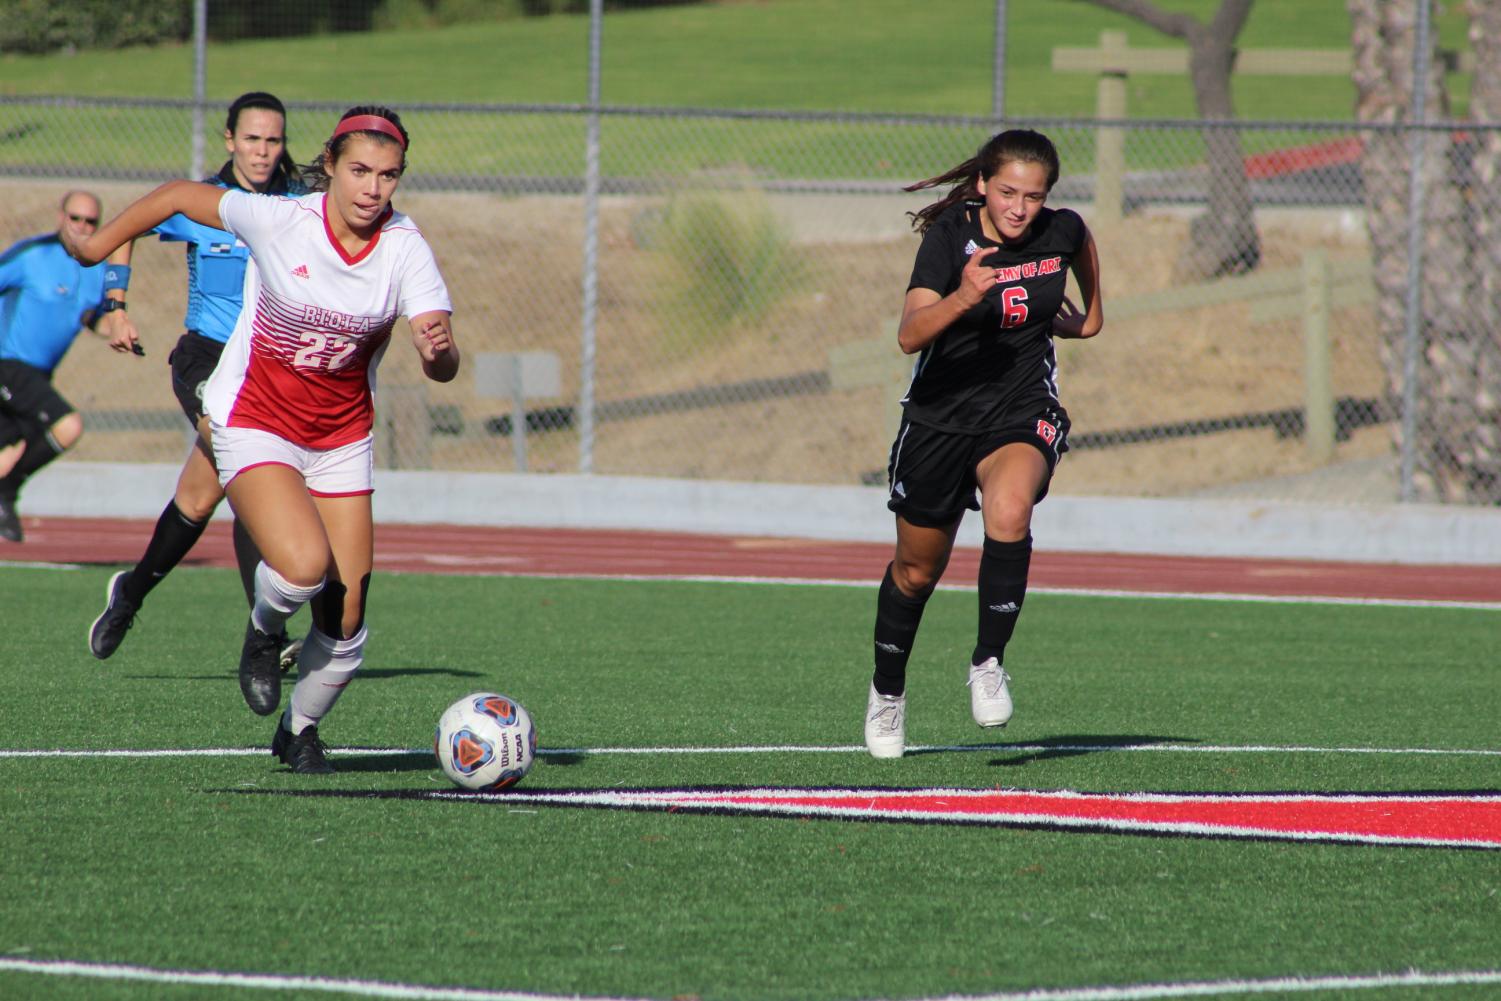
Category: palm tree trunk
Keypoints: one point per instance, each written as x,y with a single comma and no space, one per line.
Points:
1451,332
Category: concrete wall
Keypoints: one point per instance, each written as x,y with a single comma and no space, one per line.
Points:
1389,533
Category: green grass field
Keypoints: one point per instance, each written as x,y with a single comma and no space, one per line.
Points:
887,56
878,57
213,862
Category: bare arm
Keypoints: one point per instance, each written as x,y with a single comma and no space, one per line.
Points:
432,333
198,201
116,326
1070,322
926,314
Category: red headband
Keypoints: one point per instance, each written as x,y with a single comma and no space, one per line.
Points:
369,123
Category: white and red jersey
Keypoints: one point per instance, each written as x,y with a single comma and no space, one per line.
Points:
301,361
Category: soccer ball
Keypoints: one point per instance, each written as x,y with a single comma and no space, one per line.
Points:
486,741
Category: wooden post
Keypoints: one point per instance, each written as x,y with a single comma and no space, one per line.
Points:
516,377
518,413
1318,388
1110,141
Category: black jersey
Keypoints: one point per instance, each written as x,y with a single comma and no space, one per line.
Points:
998,356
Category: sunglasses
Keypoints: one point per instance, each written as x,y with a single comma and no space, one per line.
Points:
92,220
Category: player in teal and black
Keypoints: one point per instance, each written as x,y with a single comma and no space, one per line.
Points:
45,298
985,301
255,138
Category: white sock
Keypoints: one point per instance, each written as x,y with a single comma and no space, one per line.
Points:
277,600
324,668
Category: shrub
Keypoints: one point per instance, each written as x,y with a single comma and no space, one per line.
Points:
731,257
38,26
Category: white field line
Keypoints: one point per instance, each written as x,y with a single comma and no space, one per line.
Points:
1272,599
421,992
229,752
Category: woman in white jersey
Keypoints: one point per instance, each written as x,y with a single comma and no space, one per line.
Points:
291,401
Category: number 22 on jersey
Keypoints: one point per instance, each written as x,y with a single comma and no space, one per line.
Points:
326,351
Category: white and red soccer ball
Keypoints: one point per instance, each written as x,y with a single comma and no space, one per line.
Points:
486,741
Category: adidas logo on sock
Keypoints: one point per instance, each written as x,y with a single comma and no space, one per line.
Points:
1009,606
890,648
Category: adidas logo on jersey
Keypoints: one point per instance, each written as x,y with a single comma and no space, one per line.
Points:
970,248
300,271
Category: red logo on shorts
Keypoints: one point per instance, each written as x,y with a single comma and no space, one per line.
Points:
1046,431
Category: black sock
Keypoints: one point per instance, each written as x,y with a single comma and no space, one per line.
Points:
897,619
11,430
1003,588
248,557
173,537
41,448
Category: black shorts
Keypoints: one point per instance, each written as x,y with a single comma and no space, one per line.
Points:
29,403
192,362
931,475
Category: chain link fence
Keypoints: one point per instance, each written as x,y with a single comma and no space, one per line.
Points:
750,274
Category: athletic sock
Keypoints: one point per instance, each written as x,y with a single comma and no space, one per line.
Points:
324,668
173,537
277,600
11,430
1003,588
41,448
248,557
897,619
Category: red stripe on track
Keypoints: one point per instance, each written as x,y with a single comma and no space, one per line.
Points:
587,552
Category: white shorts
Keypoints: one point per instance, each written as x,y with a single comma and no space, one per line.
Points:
346,471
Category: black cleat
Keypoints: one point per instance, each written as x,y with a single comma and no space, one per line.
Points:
108,631
304,753
10,521
260,671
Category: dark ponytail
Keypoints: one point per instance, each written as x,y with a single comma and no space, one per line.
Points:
285,176
1022,145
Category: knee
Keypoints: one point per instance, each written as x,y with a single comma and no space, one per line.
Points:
915,579
304,570
196,508
1008,518
197,502
67,430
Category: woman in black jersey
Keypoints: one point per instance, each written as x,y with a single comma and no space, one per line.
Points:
982,415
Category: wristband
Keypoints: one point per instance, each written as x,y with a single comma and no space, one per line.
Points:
116,276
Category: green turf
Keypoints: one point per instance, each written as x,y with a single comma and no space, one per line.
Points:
207,863
881,57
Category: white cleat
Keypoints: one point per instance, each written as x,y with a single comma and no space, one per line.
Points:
290,648
885,724
989,698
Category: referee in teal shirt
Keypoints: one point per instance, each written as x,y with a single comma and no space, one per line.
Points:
46,297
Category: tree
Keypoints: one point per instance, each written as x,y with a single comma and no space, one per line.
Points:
1456,369
1223,240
